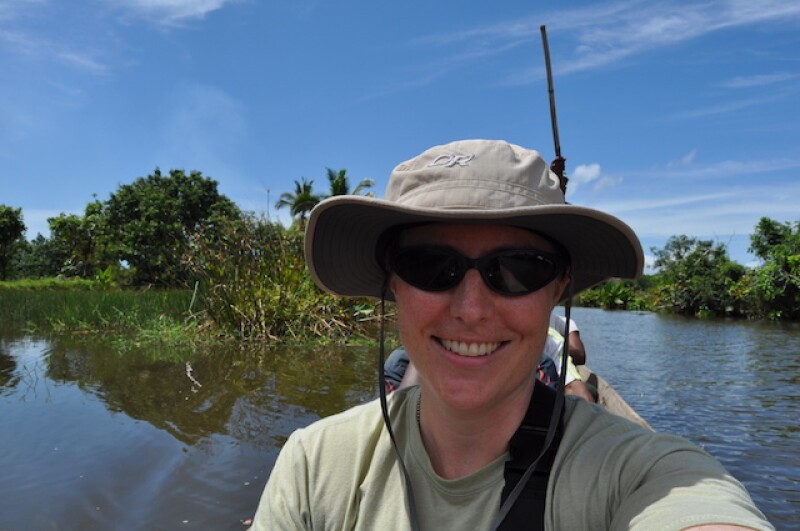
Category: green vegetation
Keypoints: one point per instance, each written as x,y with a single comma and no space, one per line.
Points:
696,277
255,286
167,258
169,261
161,320
138,237
303,199
79,306
11,230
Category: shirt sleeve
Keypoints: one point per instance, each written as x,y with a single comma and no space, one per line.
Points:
686,487
630,478
285,502
573,326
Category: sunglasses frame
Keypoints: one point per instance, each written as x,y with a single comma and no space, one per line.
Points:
481,264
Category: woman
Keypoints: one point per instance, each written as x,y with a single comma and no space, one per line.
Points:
475,244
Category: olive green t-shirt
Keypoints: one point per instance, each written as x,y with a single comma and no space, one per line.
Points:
341,473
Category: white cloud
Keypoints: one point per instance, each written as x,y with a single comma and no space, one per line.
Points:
606,34
636,27
685,160
31,46
607,182
590,173
585,173
82,61
722,213
759,80
725,107
170,12
725,168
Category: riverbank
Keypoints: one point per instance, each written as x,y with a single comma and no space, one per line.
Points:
182,317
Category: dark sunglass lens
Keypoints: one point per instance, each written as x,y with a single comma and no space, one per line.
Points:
519,272
428,268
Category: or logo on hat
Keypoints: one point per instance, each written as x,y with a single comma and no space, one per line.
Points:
449,161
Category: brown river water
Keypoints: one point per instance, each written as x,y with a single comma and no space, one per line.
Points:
94,439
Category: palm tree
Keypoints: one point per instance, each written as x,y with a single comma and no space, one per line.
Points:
340,185
300,202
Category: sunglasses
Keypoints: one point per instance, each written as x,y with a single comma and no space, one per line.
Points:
508,272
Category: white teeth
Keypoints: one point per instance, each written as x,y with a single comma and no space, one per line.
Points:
469,349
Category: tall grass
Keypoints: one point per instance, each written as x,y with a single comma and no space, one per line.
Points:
252,284
83,309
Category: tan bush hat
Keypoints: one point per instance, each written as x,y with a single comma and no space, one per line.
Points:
469,181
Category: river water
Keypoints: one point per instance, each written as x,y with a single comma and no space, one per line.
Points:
94,439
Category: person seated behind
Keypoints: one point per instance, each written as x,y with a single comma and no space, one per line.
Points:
550,368
475,245
577,350
399,372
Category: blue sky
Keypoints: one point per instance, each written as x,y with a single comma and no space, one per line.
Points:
680,117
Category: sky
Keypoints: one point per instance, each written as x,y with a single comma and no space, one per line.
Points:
679,117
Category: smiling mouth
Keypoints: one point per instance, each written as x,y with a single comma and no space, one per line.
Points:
471,350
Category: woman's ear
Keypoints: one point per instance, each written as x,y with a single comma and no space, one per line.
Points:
561,285
392,285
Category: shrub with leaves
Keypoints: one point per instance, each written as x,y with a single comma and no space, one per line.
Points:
255,285
697,277
776,283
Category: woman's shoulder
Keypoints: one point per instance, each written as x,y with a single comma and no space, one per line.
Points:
590,427
361,422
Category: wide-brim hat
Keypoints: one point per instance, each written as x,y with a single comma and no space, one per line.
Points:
469,181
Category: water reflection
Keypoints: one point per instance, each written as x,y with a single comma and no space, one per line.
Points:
100,439
219,393
93,438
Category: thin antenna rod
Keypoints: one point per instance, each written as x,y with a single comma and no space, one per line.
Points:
559,164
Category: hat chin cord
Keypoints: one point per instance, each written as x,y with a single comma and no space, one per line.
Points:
412,506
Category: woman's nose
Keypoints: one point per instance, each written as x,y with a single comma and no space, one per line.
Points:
472,298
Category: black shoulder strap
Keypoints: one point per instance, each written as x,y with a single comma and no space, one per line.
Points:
525,446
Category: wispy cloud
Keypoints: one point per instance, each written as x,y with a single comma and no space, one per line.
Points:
13,9
759,80
583,174
82,61
170,12
637,27
42,48
604,35
695,200
724,107
685,160
726,168
719,213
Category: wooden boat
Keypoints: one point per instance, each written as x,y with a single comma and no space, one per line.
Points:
608,397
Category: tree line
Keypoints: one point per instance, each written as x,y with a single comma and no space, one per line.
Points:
176,230
143,234
696,277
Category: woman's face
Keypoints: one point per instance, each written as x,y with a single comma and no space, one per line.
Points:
474,348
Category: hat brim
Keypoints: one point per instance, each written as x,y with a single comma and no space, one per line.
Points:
343,232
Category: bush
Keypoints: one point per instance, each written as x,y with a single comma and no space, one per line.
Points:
615,295
255,285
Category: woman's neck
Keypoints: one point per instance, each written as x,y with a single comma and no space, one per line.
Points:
460,442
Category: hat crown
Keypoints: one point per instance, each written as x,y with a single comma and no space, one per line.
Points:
470,181
475,175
